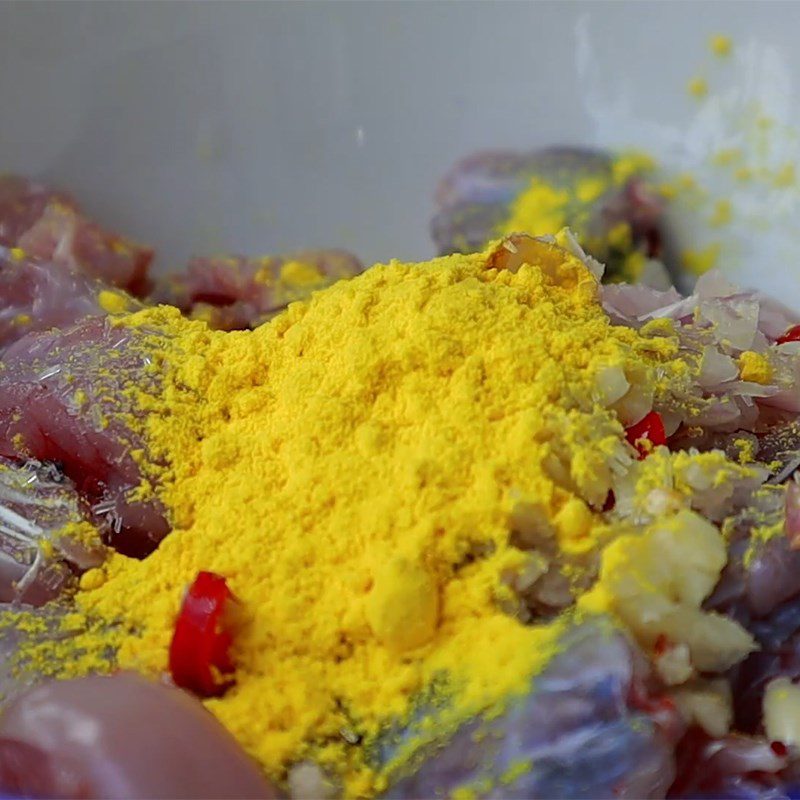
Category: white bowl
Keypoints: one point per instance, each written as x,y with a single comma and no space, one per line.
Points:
259,127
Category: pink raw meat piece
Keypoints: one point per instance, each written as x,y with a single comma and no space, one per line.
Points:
37,296
236,292
62,400
22,203
731,766
50,225
37,560
121,736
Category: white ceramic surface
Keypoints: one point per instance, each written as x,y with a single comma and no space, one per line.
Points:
264,126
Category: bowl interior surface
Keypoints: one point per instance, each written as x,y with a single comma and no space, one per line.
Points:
260,127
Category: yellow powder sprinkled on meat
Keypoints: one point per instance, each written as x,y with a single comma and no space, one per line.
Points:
763,526
589,189
17,253
353,469
539,210
113,302
673,479
746,450
571,199
80,531
755,367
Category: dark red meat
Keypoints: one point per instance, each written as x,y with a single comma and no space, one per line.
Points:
589,727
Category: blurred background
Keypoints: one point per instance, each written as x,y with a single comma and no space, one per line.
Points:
259,127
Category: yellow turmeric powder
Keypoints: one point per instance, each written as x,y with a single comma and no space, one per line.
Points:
353,469
755,367
113,302
551,202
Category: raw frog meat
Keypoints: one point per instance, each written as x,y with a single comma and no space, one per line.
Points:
236,292
475,197
588,727
62,400
36,295
50,225
44,541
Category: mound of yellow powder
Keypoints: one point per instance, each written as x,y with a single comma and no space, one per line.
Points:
353,469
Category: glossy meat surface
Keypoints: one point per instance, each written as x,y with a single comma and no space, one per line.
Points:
120,737
62,400
40,554
50,225
36,295
236,292
579,732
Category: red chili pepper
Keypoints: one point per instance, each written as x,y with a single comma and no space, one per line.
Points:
662,644
779,748
651,428
792,335
199,651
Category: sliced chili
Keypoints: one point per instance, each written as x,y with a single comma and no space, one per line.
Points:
199,654
651,429
792,335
